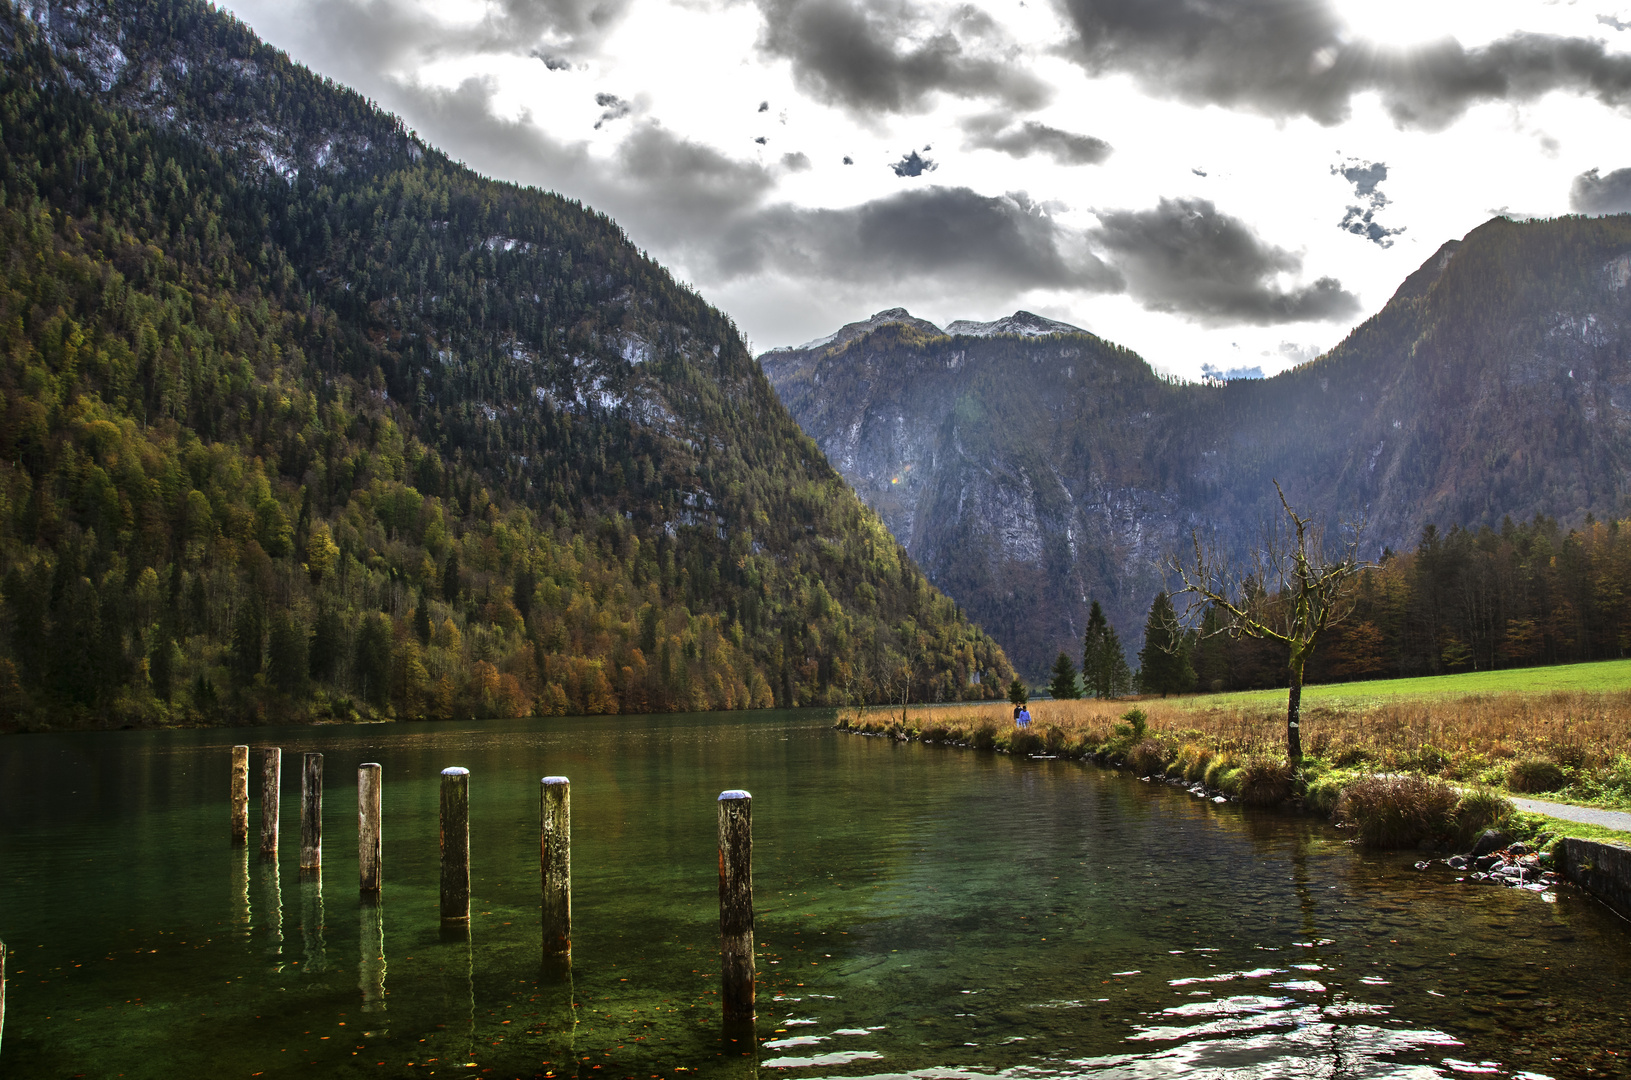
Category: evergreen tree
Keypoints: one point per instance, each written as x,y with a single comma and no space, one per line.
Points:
450,578
1018,694
327,645
1164,661
161,667
248,640
372,669
287,653
1118,676
1063,686
1104,662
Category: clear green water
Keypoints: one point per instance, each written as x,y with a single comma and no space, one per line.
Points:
921,910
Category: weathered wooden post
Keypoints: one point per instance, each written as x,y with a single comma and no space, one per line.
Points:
736,903
555,860
311,814
271,777
2,990
455,845
240,796
369,853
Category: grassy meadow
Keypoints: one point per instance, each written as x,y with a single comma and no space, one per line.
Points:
1563,731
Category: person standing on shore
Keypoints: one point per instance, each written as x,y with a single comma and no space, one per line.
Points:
1023,717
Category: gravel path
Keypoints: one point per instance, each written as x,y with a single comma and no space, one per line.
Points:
1608,819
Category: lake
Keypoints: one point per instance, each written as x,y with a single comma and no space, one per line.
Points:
921,910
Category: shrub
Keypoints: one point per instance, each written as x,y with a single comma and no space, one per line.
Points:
1215,769
1131,728
985,736
1480,809
1025,742
1323,793
1148,758
1398,811
1535,774
1265,781
1054,738
1430,760
936,733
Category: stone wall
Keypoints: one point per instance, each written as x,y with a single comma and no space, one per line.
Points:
1604,870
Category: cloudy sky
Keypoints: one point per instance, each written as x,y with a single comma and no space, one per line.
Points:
1213,183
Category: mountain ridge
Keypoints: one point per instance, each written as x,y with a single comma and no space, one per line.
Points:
1030,476
303,419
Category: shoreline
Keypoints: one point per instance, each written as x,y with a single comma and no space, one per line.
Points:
1497,842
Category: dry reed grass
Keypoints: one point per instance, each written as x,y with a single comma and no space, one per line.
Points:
1477,737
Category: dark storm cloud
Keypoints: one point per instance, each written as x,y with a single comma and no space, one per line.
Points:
952,235
386,34
1185,256
992,131
1295,57
913,164
1594,194
662,187
890,58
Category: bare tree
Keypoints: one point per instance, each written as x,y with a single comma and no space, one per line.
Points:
1290,589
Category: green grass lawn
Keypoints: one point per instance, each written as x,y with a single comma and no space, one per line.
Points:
1599,677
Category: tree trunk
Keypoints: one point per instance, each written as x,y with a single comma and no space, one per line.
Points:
1294,710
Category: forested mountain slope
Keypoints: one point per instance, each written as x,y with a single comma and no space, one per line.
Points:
1030,474
301,418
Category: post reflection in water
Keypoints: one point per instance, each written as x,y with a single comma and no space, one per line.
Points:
739,1042
311,921
272,901
558,1015
371,955
458,972
243,915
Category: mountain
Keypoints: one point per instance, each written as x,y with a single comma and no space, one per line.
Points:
1030,474
303,419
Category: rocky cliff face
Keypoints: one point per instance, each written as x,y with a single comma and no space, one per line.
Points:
1030,466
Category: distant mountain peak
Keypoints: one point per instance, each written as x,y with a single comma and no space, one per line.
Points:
850,331
1021,323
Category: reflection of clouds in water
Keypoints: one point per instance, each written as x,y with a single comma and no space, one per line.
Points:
840,1057
1302,1041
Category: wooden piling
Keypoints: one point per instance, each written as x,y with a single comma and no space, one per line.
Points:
555,860
2,991
271,776
311,813
736,904
455,845
240,796
369,853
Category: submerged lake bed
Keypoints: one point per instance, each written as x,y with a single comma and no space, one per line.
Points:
920,910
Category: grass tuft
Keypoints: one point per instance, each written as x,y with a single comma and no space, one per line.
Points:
1265,781
1398,811
1535,774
